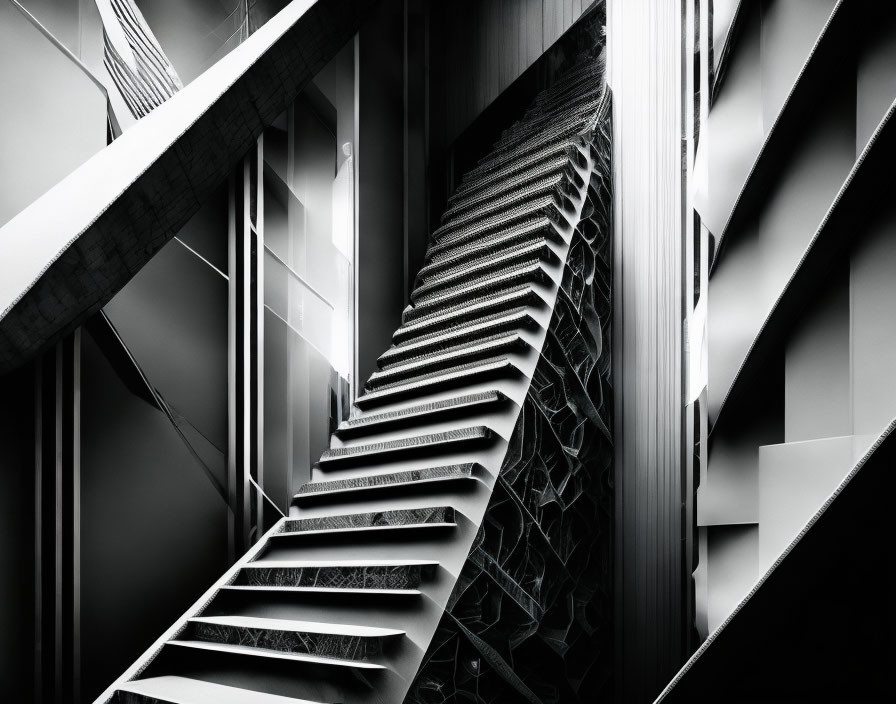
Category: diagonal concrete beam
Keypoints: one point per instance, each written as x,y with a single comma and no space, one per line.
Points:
69,252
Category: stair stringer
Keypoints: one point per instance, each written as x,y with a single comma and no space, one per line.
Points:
546,538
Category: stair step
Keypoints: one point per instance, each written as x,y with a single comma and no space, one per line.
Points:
534,248
562,130
530,271
447,440
450,357
478,329
327,640
423,413
375,520
462,202
356,591
558,185
553,152
184,690
482,248
413,477
428,383
520,214
418,320
274,654
335,574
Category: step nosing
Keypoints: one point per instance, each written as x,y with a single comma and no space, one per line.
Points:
495,260
406,478
434,380
395,518
533,267
354,591
331,564
448,354
445,437
514,295
478,324
420,411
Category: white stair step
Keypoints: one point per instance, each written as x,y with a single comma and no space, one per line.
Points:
323,590
183,690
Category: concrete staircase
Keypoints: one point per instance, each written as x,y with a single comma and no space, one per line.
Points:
340,601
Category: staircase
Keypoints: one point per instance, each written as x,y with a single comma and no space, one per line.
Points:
501,360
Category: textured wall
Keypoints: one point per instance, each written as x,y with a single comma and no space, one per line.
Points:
530,618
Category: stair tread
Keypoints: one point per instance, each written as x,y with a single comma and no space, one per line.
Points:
184,690
445,437
447,356
473,331
498,203
527,262
305,564
433,380
362,529
500,320
536,246
483,250
520,214
322,590
281,624
374,520
528,271
493,303
380,481
274,654
422,409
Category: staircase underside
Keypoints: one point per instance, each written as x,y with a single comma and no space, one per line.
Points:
455,539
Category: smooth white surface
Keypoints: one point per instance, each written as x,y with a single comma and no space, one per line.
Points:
183,690
362,529
326,590
279,624
298,564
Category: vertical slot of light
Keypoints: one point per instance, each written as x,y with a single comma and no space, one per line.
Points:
344,242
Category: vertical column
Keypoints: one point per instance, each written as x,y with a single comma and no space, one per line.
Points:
645,56
57,488
245,462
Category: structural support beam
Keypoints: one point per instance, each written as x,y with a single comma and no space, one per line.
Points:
245,460
645,55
